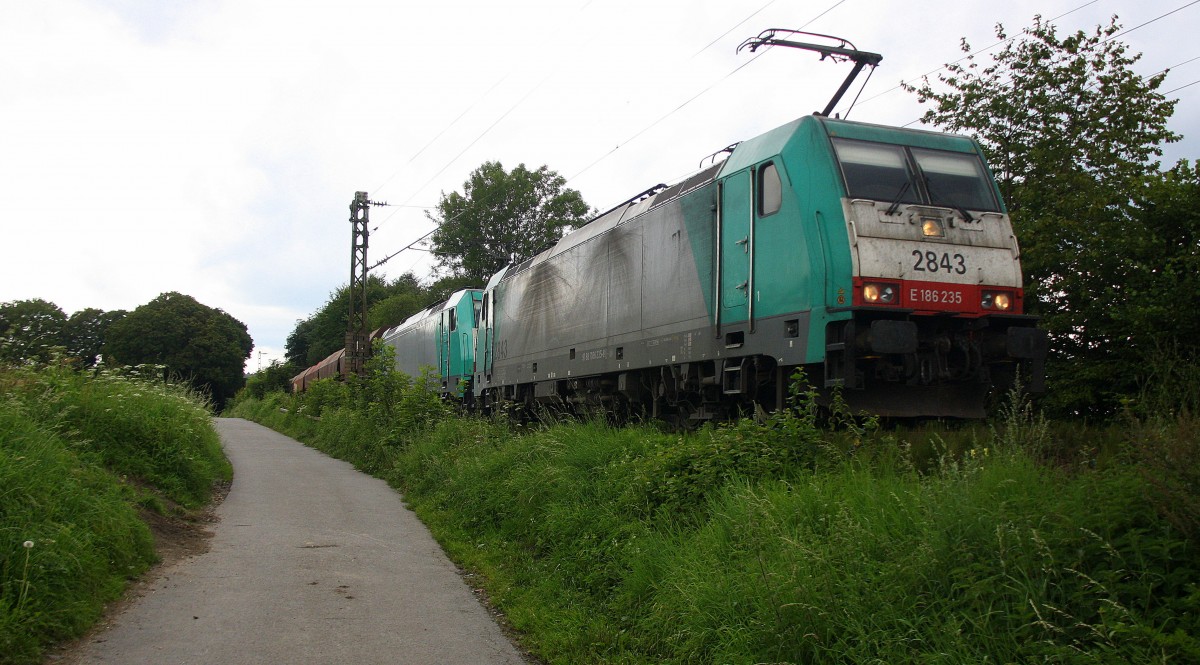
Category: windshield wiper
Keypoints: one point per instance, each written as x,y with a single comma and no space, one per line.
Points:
961,210
899,197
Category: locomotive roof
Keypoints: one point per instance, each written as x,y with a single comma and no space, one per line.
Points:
767,145
435,308
613,218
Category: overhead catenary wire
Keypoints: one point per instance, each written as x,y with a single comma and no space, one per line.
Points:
1186,85
1175,66
454,159
696,96
413,244
736,26
475,103
1157,18
439,135
665,116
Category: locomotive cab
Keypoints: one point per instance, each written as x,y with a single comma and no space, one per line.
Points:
936,300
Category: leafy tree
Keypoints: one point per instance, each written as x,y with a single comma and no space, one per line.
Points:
405,297
394,309
201,344
298,343
30,330
1163,274
1056,113
276,377
83,333
502,218
1072,133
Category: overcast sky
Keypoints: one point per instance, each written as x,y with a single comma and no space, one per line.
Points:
213,147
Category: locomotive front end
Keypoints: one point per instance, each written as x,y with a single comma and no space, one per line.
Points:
936,304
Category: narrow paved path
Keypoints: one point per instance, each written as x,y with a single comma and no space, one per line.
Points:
311,562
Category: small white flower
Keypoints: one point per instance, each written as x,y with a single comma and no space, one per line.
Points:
28,544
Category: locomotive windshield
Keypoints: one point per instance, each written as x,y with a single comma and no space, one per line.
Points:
900,174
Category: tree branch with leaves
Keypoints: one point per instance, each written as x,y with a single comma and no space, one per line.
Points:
1074,134
501,218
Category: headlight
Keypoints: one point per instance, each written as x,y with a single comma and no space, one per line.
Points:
879,294
931,227
999,301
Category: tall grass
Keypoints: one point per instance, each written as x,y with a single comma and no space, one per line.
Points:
783,541
134,424
79,455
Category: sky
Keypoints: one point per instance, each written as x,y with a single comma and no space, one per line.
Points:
213,147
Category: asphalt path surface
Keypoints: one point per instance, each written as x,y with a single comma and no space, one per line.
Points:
310,562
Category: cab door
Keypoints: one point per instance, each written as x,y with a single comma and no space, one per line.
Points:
734,249
485,326
443,346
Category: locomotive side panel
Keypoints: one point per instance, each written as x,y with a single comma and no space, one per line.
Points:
557,301
674,292
631,297
562,312
415,345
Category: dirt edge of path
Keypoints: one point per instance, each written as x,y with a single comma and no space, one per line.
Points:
178,535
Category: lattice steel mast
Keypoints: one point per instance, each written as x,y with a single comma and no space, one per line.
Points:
358,342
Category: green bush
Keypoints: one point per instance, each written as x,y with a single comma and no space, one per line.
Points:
275,377
85,538
80,455
135,425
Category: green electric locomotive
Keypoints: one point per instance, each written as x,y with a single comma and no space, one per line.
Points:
879,260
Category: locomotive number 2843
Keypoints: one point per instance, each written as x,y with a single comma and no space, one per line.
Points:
934,262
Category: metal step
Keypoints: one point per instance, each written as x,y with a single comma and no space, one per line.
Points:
731,380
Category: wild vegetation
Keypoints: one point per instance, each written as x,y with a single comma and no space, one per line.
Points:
795,538
82,455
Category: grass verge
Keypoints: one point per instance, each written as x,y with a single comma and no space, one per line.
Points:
782,542
80,456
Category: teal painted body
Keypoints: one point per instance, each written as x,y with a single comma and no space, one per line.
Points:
442,339
798,250
802,253
456,330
